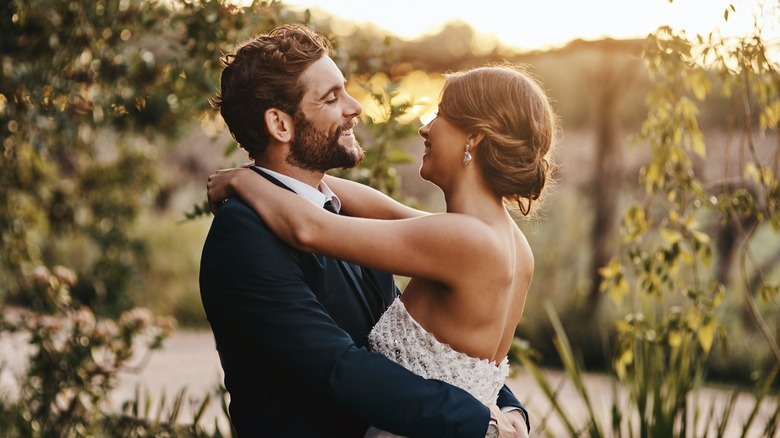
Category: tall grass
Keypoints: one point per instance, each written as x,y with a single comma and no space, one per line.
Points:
661,401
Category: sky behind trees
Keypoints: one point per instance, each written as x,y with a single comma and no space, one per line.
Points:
530,25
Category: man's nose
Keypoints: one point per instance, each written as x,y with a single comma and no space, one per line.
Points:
353,108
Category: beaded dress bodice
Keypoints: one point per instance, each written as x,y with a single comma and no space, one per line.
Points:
398,336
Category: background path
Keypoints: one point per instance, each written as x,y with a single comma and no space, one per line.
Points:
189,360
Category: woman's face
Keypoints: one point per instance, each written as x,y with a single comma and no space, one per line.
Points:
445,145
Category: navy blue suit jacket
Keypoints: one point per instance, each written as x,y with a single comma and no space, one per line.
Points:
291,331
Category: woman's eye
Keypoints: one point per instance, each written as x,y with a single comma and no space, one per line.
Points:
428,118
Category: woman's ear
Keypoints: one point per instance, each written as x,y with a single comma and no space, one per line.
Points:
279,124
475,139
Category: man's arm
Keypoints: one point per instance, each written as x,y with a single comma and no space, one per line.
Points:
262,286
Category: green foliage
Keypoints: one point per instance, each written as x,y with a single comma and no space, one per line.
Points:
89,93
633,418
74,361
667,252
663,277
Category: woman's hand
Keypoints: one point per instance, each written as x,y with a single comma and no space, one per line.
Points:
221,186
517,420
505,426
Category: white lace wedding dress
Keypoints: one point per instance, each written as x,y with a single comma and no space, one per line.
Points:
398,336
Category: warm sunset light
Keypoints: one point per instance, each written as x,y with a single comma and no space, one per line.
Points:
528,25
386,218
525,26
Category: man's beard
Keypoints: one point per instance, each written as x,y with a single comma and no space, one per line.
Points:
313,149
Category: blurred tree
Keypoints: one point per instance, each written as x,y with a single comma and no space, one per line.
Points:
609,81
674,321
91,96
89,93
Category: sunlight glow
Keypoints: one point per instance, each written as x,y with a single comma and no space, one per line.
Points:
530,25
419,89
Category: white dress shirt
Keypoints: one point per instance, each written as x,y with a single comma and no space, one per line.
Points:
317,197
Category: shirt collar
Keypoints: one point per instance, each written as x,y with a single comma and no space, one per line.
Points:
317,197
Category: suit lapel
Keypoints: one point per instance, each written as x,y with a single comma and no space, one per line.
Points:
270,178
351,272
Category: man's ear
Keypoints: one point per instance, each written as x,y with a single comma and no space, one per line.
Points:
279,124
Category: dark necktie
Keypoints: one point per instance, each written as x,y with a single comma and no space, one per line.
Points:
329,206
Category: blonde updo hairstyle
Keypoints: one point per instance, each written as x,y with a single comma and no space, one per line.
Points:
508,106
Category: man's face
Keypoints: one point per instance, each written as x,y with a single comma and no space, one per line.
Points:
323,137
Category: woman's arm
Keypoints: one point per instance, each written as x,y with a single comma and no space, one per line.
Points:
363,201
421,246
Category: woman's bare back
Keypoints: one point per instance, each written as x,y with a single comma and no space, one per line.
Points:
478,313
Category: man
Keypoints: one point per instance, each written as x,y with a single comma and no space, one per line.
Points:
291,328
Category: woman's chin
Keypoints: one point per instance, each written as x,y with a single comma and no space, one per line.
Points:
424,173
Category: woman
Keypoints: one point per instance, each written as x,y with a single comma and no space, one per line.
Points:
470,268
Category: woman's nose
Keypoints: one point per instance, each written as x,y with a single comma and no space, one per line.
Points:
423,131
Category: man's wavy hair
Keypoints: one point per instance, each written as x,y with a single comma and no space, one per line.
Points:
264,73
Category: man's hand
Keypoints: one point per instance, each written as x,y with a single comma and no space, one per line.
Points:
517,420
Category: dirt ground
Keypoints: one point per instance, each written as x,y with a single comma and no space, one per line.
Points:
189,360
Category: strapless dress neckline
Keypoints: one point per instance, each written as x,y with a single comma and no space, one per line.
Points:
401,338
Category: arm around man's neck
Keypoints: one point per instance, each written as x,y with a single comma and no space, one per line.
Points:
360,200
